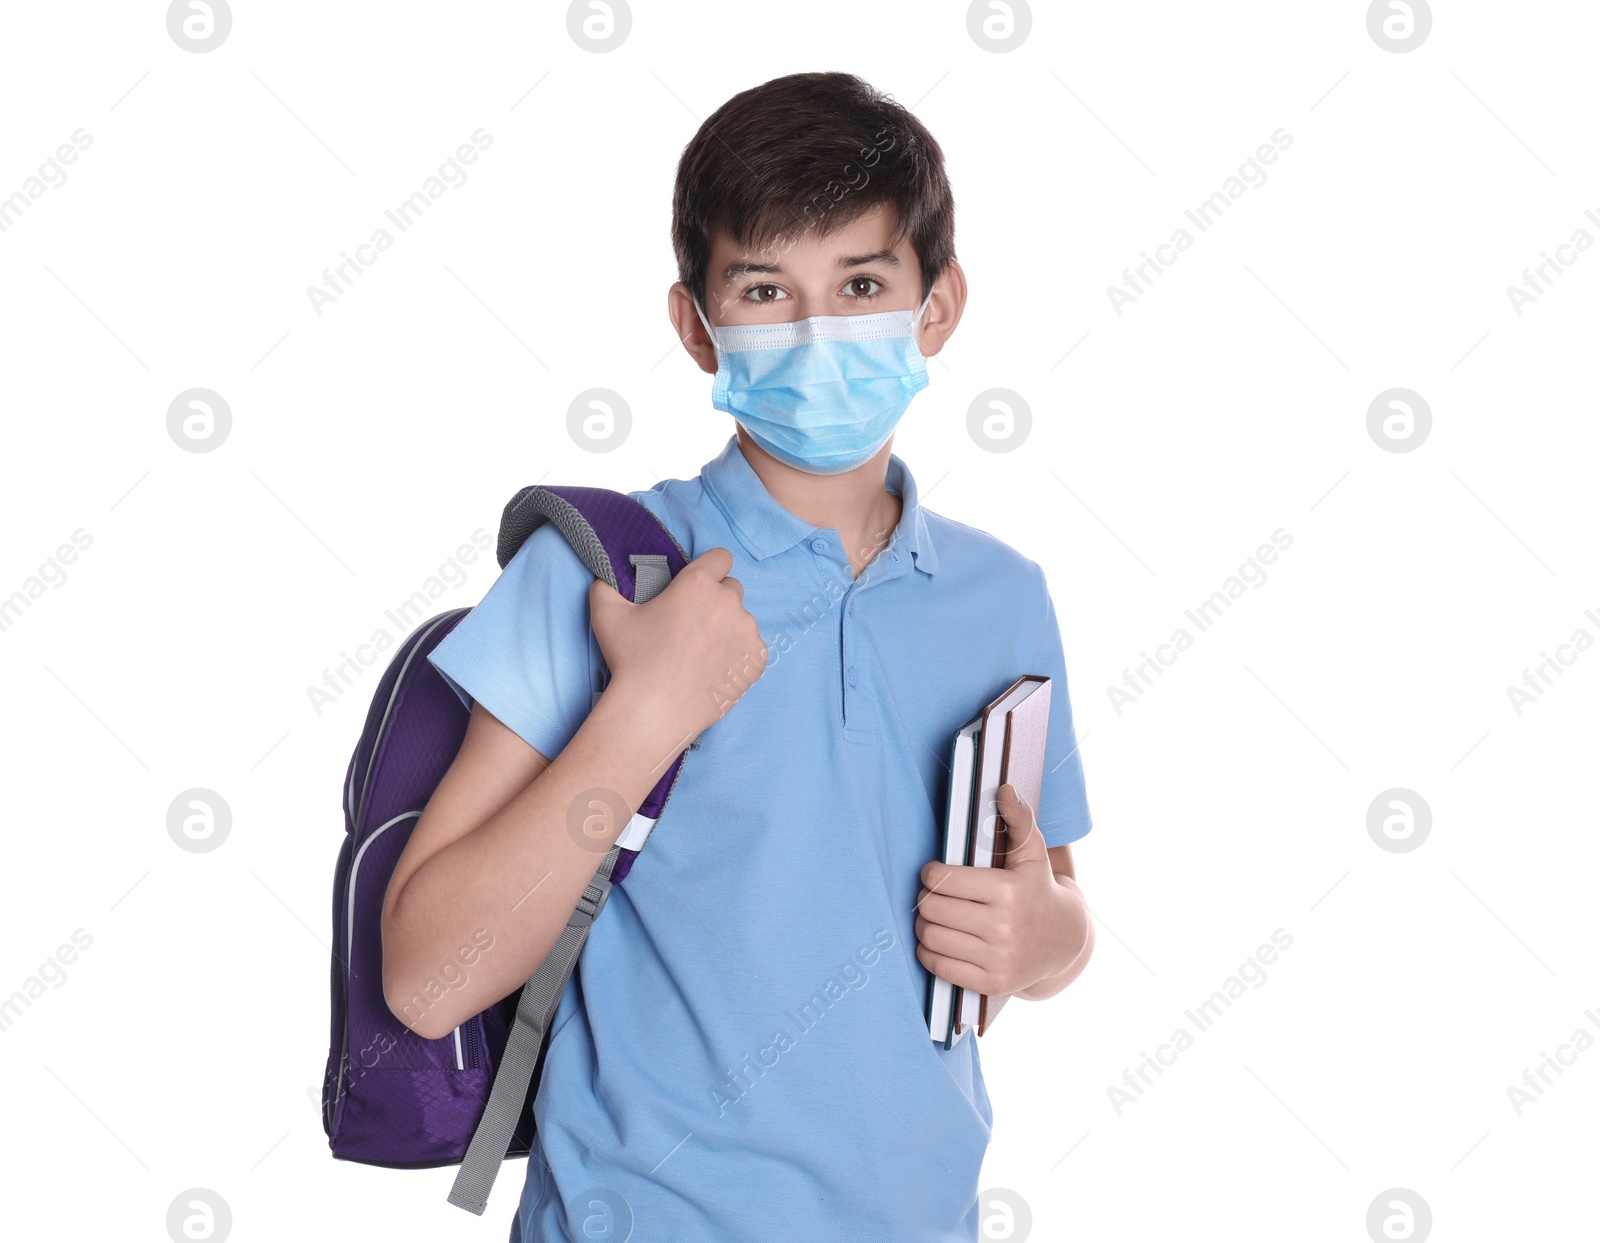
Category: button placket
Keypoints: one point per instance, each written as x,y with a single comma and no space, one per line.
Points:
888,564
847,670
855,692
850,691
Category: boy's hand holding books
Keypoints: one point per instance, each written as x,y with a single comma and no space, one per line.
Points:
1007,930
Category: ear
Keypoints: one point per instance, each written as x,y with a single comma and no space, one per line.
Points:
944,310
686,323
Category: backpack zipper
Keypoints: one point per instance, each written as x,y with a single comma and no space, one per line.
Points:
356,813
349,929
466,1044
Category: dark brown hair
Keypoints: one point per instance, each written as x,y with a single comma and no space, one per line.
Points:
810,150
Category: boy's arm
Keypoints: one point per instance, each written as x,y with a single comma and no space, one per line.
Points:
490,874
509,839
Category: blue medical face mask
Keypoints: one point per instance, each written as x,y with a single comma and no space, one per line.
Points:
821,394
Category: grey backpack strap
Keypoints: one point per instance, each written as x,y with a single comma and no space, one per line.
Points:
650,575
537,1006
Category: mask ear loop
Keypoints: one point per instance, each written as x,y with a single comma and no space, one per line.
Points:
915,318
710,331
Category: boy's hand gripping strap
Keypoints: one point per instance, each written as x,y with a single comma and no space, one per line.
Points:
629,549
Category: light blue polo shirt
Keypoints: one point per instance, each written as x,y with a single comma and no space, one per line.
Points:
742,1054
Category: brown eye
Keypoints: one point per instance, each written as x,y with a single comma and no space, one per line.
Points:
764,293
862,287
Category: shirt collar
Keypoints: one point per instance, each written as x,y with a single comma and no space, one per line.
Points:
766,528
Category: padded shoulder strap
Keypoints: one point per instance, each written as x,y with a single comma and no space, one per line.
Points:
603,527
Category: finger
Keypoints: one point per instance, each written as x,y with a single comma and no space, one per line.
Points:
603,596
951,942
1015,810
957,971
959,881
1024,842
1020,819
959,914
714,563
738,588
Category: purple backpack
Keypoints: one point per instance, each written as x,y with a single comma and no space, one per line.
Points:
389,1097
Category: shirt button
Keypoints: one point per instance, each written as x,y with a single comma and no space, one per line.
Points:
819,545
852,677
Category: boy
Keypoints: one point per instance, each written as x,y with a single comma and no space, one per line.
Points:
744,1055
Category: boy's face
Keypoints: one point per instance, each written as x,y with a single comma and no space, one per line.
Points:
858,269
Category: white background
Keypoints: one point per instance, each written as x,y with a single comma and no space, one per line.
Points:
185,1048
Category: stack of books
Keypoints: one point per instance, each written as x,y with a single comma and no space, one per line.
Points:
1005,743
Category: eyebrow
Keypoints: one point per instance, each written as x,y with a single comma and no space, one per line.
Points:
886,257
735,270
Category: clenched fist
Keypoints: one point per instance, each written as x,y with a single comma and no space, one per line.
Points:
685,657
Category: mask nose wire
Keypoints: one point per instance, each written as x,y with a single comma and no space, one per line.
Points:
712,332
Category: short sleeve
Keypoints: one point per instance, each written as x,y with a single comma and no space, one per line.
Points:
1063,802
525,652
